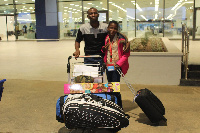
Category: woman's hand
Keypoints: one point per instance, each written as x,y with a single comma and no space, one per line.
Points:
106,46
117,67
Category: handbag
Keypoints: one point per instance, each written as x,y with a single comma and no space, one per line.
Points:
91,111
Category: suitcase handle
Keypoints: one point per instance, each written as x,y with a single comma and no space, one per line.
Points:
127,83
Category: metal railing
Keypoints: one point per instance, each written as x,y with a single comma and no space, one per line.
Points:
185,49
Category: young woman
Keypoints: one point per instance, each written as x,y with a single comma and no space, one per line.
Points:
115,56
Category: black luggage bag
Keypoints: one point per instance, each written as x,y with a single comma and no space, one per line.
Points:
148,102
150,105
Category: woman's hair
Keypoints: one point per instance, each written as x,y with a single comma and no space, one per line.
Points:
115,22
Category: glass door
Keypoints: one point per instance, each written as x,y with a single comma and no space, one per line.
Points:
72,14
197,29
103,17
7,30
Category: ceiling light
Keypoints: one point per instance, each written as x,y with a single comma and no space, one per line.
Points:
65,7
89,3
143,17
76,5
156,5
156,16
176,6
71,4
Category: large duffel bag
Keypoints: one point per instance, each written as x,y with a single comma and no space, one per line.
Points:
60,102
92,111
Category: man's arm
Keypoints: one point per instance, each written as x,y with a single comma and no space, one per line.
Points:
79,38
77,51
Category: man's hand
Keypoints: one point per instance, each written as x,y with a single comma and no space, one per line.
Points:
76,54
127,48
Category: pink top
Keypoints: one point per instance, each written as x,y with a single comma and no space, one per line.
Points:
123,57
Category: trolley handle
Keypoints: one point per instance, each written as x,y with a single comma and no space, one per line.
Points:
87,56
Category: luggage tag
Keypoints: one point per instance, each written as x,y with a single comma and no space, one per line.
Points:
110,67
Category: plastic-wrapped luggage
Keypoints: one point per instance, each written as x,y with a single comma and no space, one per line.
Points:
62,99
91,111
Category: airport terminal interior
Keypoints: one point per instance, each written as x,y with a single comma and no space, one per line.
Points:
35,65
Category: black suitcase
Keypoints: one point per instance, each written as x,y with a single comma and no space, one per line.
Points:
150,105
148,102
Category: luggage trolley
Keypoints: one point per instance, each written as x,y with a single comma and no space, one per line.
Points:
82,76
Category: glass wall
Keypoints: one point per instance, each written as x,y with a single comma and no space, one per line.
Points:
124,13
149,18
19,19
100,5
74,13
69,18
26,23
197,19
178,12
137,18
7,20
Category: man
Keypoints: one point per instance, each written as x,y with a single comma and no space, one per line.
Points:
94,34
